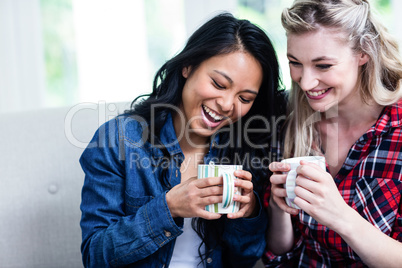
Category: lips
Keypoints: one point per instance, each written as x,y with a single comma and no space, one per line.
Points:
212,113
210,117
317,94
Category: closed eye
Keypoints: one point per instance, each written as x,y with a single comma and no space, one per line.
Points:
324,66
294,63
244,100
218,85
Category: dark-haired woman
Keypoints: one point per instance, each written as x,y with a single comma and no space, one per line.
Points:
142,205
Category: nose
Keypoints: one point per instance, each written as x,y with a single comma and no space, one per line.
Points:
308,80
226,104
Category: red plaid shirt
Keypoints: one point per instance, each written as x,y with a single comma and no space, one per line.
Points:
370,182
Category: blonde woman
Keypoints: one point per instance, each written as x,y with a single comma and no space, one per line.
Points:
344,104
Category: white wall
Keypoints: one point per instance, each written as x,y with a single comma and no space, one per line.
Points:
395,27
22,71
198,12
112,55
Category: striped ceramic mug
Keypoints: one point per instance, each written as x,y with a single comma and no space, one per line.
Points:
229,190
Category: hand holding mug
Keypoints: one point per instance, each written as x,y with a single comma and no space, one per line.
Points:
319,196
247,198
290,183
284,180
278,192
189,198
238,198
219,189
228,205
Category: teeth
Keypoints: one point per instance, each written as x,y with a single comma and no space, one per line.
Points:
212,114
317,93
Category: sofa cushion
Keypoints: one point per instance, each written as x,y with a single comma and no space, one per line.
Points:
40,183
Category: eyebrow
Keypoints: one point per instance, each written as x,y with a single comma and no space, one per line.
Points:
231,82
224,75
314,60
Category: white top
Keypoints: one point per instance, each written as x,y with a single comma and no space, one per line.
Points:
185,252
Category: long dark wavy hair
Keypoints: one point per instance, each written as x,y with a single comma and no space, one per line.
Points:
223,34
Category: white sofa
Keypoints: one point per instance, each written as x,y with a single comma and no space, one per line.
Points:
40,183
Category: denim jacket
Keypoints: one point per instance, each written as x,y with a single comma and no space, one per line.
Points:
125,218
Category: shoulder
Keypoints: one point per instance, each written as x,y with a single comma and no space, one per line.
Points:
131,128
116,136
390,119
123,127
131,122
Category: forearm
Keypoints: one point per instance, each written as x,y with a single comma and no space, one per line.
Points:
280,234
375,248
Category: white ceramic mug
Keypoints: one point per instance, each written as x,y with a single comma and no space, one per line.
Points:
291,175
229,190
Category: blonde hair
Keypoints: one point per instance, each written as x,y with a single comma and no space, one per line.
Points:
380,77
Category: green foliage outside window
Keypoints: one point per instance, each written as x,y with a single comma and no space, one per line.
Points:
59,51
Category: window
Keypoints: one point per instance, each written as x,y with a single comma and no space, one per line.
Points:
61,52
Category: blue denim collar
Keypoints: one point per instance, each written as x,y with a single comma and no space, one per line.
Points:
169,139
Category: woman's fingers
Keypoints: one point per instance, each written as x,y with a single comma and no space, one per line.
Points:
208,215
311,171
278,179
281,203
239,214
211,199
303,188
278,191
210,190
247,186
242,198
243,174
279,167
307,184
208,182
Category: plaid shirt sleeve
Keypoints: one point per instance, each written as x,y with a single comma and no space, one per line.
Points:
370,181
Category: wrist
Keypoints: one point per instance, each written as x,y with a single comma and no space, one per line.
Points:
256,208
345,225
272,205
170,205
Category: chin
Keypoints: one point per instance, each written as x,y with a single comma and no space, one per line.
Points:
320,107
202,131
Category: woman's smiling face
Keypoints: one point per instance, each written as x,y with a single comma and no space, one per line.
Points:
325,67
219,92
